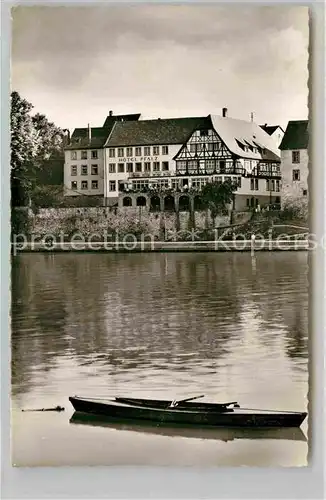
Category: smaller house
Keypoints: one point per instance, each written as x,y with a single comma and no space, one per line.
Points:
294,159
275,132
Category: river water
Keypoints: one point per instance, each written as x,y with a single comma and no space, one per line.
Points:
226,325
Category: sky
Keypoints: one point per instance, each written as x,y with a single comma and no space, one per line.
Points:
75,64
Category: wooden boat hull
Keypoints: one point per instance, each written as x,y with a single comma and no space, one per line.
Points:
203,418
188,431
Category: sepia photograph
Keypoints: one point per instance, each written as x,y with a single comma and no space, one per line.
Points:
160,235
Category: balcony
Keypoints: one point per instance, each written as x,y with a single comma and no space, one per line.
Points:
140,175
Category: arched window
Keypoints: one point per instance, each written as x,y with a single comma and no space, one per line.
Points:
198,204
141,201
155,203
184,203
127,201
169,203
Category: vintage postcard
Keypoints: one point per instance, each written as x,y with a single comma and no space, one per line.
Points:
160,235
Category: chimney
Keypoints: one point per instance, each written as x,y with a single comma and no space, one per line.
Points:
110,113
251,116
89,133
225,112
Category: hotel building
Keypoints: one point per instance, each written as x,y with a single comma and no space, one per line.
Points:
180,155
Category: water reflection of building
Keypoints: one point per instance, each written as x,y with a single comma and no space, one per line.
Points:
132,310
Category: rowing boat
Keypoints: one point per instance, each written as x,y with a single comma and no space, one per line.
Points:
184,412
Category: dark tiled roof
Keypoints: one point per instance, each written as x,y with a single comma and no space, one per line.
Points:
99,135
126,118
151,132
296,135
270,129
79,138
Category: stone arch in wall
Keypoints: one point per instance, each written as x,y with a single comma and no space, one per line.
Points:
184,203
141,201
127,201
155,203
169,204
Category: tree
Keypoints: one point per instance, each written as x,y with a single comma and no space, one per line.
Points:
24,144
36,147
216,196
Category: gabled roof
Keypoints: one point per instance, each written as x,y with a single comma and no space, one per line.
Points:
296,135
79,138
237,133
270,129
119,118
99,135
151,132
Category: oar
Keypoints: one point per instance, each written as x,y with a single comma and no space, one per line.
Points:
57,408
175,403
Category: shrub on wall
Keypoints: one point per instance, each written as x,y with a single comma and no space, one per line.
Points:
294,208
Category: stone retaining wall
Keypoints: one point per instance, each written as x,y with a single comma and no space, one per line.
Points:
126,220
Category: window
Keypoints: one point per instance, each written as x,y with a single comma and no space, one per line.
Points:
121,168
84,170
192,166
165,166
252,184
94,169
267,185
248,202
156,150
277,200
73,155
111,153
210,166
138,167
120,151
256,185
73,170
138,151
130,167
181,166
273,185
147,166
304,192
239,182
296,175
277,186
165,150
222,166
94,155
74,185
129,152
295,156
112,185
175,184
112,168
84,184
156,166
147,151
94,184
84,155
192,148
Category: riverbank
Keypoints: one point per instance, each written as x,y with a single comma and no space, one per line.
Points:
164,246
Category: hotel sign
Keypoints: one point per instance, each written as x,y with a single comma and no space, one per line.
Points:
134,159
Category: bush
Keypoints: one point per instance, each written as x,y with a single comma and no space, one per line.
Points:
294,208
